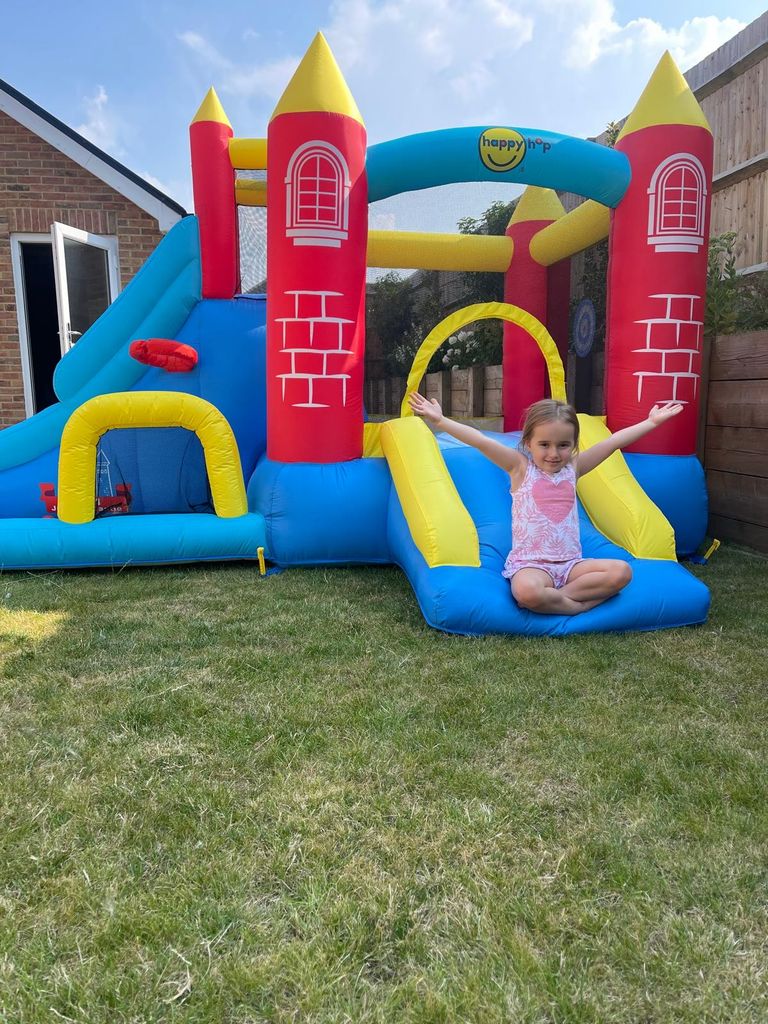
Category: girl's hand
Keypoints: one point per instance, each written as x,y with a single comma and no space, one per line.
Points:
428,410
661,413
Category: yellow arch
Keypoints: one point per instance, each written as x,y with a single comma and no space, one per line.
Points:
77,454
486,311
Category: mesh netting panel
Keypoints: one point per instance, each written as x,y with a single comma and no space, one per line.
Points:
252,225
435,209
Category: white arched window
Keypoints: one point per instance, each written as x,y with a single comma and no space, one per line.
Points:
317,195
677,204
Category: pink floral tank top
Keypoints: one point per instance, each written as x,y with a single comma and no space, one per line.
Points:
545,517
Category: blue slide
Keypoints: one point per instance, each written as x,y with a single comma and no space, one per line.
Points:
351,513
163,467
459,599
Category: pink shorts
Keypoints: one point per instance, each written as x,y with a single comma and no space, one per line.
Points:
559,571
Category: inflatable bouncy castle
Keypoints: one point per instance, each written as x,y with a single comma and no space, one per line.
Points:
196,423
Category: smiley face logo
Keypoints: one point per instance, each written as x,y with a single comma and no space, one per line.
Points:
501,149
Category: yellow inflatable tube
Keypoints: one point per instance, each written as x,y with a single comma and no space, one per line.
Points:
582,227
440,525
426,251
79,441
617,504
486,311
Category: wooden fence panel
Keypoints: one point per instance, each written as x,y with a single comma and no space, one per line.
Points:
736,440
492,391
738,496
750,534
737,450
740,357
737,403
470,393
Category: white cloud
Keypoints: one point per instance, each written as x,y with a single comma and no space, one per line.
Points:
418,39
416,65
695,39
262,79
102,126
473,81
414,54
595,32
205,50
421,65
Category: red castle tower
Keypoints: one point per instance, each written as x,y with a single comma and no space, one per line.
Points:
526,285
213,183
317,198
658,264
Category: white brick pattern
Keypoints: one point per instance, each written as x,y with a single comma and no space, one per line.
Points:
314,341
672,342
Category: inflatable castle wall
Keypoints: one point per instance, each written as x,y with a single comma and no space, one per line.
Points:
197,423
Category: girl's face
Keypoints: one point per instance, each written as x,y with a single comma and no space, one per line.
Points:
551,446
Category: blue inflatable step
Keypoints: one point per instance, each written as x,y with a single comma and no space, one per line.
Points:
129,540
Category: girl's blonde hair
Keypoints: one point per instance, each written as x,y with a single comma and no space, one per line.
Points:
545,411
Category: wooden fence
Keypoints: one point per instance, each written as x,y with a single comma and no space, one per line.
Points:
473,393
736,439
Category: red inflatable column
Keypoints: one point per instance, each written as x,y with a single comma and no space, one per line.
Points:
559,306
524,375
657,269
317,225
213,186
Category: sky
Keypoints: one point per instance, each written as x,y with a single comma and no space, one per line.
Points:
131,76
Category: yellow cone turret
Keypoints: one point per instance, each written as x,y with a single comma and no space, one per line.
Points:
666,99
318,85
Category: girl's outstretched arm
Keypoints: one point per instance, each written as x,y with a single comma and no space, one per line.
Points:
508,458
592,457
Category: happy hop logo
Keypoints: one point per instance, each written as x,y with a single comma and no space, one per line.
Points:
501,149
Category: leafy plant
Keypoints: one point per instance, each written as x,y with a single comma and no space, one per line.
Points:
481,344
722,285
753,303
734,302
401,311
390,315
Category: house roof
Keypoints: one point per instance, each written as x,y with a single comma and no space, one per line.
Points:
148,198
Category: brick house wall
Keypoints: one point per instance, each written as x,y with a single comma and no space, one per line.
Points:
40,185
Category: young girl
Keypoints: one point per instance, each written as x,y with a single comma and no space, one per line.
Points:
545,566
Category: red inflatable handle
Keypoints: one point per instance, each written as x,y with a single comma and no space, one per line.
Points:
173,356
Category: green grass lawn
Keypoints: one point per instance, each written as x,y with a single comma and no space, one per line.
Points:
230,799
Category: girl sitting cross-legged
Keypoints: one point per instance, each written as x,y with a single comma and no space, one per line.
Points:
545,565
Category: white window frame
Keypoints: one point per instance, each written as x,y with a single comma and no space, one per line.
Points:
60,232
40,238
17,239
313,231
678,238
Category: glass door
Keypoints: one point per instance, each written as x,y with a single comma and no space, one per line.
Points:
87,279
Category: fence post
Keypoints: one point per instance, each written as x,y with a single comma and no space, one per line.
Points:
444,390
476,392
701,433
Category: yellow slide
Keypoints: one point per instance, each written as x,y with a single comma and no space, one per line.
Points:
440,525
617,504
443,530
